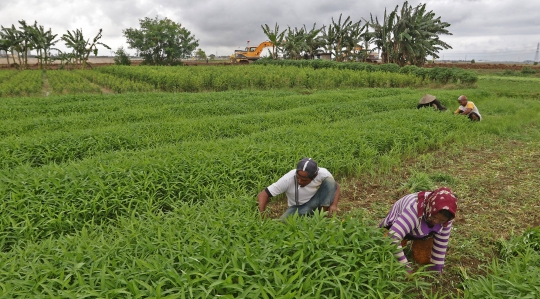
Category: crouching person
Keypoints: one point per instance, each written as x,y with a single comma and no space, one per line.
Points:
425,218
307,187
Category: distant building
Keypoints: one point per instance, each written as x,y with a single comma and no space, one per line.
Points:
324,56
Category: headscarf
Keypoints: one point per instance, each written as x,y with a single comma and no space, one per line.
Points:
437,200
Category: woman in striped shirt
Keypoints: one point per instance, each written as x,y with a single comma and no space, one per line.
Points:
420,216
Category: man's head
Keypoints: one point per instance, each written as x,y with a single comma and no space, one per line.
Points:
306,171
462,100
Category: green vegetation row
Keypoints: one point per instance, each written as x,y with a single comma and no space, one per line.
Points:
71,137
218,249
22,83
158,168
515,275
120,79
202,78
436,74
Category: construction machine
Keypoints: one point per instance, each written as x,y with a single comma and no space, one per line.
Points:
250,54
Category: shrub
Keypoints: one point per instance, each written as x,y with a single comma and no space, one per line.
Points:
121,57
527,70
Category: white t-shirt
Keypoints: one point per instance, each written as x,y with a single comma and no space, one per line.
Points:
286,184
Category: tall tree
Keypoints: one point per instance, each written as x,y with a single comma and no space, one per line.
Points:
161,41
275,37
409,35
12,39
342,37
313,40
42,41
294,44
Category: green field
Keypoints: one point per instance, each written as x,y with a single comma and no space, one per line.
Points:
116,183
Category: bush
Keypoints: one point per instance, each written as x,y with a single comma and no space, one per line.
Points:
121,57
527,70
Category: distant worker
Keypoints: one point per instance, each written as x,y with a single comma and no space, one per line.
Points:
308,188
426,219
468,108
430,101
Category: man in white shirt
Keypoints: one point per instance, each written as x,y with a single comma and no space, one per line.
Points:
307,187
468,108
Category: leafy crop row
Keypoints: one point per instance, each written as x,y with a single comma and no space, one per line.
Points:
185,79
22,84
116,84
219,249
98,175
439,75
69,82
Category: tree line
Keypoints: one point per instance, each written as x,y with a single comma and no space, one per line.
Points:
23,39
404,36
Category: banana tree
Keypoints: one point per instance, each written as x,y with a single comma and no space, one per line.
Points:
82,48
275,37
42,41
12,38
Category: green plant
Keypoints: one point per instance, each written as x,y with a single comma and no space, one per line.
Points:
527,70
121,57
418,181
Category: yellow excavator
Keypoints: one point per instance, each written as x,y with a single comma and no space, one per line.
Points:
250,54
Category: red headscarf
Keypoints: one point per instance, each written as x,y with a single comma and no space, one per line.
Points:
437,200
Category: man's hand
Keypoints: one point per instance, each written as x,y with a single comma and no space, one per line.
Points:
332,210
262,198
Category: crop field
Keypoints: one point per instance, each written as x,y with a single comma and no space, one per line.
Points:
141,182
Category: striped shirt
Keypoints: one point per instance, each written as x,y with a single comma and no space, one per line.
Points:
403,220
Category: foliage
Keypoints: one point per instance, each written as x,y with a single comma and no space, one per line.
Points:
275,37
161,41
520,244
200,54
341,38
418,181
81,48
527,70
410,35
473,61
123,195
436,74
205,252
121,57
516,275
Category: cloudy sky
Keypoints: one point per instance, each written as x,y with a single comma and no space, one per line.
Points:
493,30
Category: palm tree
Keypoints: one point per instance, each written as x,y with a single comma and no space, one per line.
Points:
275,37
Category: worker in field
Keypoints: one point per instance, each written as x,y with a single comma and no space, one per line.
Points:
308,188
425,218
430,101
468,108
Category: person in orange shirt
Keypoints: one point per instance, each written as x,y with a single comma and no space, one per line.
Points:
468,108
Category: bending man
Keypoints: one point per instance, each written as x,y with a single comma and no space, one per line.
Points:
307,187
468,108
